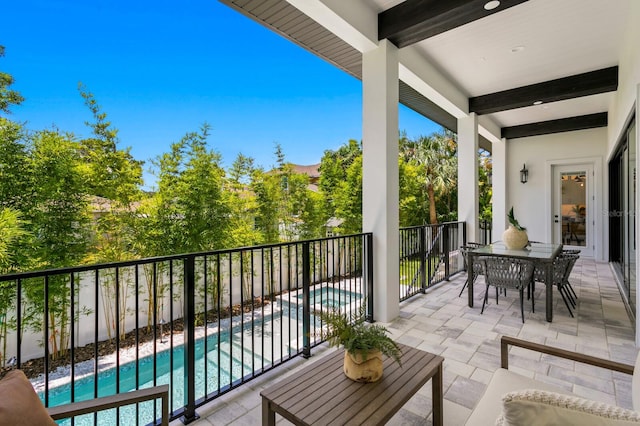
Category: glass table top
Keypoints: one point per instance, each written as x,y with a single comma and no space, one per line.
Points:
532,251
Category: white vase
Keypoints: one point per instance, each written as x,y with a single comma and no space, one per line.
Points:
514,239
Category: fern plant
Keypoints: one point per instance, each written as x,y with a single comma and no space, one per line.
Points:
513,221
357,337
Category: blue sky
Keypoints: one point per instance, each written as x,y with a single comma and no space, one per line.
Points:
160,69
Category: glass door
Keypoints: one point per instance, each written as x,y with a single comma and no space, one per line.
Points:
573,218
622,214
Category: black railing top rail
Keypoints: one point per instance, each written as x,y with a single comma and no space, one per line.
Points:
408,228
157,259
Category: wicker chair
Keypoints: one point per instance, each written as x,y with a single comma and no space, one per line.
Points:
562,267
477,267
507,273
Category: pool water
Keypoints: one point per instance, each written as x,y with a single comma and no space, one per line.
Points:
231,369
331,297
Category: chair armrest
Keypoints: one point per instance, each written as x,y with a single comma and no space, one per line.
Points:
107,402
561,353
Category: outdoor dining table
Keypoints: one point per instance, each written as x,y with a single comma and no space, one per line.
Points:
541,254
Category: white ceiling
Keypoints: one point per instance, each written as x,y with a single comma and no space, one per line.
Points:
559,38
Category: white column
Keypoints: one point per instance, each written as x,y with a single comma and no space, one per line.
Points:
380,174
499,189
468,198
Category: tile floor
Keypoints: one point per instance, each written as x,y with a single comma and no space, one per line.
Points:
442,323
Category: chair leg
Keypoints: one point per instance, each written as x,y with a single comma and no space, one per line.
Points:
464,286
522,303
570,297
533,298
564,298
568,284
567,293
484,300
570,293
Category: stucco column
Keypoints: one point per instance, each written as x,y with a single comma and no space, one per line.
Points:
468,198
499,188
380,186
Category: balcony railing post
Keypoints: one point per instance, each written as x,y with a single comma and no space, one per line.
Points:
423,259
464,233
445,246
306,302
369,274
190,414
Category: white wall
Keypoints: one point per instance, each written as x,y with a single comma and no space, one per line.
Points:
628,77
627,98
531,200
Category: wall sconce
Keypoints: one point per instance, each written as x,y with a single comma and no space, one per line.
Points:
524,174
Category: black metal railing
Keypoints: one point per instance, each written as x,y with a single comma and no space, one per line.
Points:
429,255
485,232
203,323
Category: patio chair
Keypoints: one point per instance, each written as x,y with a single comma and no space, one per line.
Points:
477,267
562,267
507,273
20,405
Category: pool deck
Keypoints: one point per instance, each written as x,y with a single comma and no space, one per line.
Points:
441,322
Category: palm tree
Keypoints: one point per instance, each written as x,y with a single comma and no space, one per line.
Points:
436,155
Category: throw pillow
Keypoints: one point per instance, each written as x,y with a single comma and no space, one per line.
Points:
534,407
19,403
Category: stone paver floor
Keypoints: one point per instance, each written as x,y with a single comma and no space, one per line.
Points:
441,322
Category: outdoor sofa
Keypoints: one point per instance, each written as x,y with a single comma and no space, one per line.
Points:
513,399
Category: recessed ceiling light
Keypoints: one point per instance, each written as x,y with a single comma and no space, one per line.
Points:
517,49
537,103
490,5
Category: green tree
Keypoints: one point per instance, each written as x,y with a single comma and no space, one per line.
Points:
192,213
348,198
60,223
333,171
16,179
286,208
113,178
414,205
110,172
12,233
8,96
242,203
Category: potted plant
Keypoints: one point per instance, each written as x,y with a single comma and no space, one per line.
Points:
515,237
364,344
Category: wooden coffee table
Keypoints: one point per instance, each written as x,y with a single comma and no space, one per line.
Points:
322,394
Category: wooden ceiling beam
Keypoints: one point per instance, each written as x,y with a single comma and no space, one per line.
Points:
415,20
590,121
575,86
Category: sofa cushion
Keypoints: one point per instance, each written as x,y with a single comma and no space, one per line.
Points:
489,407
534,407
19,403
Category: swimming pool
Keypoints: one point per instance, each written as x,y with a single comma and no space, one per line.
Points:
233,361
